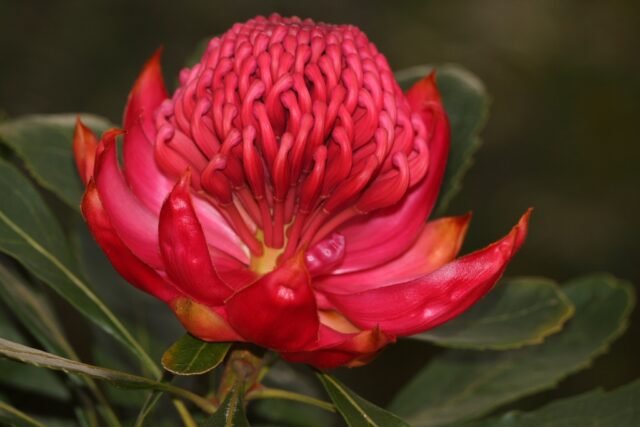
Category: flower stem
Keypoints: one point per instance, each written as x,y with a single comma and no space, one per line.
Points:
204,404
274,393
185,415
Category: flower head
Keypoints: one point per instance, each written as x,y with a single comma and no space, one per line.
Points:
280,196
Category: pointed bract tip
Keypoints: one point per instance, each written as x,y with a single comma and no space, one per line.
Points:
85,144
425,89
150,69
105,146
157,54
520,230
79,123
154,60
109,139
111,134
523,223
464,221
528,213
465,218
82,131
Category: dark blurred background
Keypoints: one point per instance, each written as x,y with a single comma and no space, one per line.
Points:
562,135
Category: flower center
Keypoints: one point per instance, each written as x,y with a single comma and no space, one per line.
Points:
291,128
267,261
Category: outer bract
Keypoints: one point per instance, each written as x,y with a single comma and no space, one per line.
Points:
280,196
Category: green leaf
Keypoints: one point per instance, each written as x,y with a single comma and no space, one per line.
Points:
619,408
139,312
148,406
38,317
7,327
191,356
32,380
44,143
355,410
15,417
460,384
25,377
230,413
152,399
467,104
287,412
281,412
517,312
43,359
30,234
34,312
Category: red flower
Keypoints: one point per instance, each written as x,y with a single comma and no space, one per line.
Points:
280,196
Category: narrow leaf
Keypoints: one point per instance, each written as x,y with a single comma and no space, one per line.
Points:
34,313
148,406
619,408
460,385
30,234
43,359
44,143
230,413
31,380
39,319
287,412
191,356
517,312
355,410
15,417
467,104
27,378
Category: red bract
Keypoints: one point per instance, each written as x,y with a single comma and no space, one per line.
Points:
281,196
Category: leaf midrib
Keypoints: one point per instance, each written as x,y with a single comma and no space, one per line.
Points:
195,357
352,401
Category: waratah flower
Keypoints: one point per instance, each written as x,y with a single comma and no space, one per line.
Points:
280,196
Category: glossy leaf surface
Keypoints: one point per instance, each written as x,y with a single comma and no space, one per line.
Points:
460,385
515,313
467,104
43,359
356,411
619,408
44,143
191,356
30,234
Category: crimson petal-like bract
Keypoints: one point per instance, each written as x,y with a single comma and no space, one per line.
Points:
281,196
125,262
431,300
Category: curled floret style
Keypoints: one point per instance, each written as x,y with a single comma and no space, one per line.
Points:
280,196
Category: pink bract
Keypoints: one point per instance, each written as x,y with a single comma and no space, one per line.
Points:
280,196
